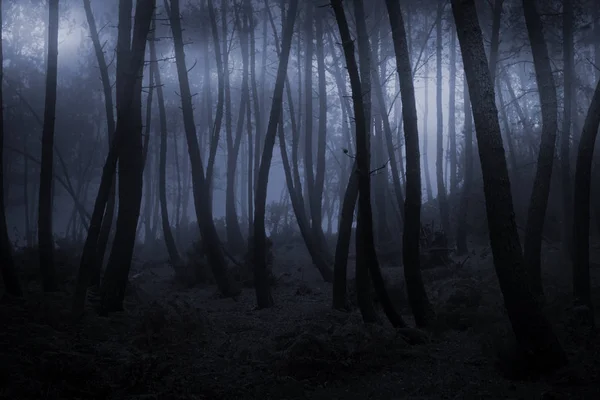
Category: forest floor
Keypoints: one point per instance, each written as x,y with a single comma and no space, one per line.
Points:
188,343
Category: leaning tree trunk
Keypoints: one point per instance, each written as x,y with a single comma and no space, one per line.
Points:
538,202
110,123
364,297
363,170
45,233
565,139
463,211
212,243
7,263
264,299
131,178
125,103
420,305
534,334
439,160
581,201
162,161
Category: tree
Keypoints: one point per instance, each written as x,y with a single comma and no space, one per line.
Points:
131,157
110,123
534,334
212,243
538,202
363,168
7,263
420,305
261,284
439,160
581,201
125,102
162,162
45,234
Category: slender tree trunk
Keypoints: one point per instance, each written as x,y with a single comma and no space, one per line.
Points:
439,161
125,104
216,133
461,229
7,263
535,338
162,161
362,279
212,243
581,201
538,202
452,113
426,135
565,144
45,232
131,176
264,299
419,302
363,169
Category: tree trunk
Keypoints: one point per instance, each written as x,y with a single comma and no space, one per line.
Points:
212,243
263,291
45,232
535,337
7,263
581,201
162,161
439,161
461,229
538,202
452,115
131,171
420,305
426,135
565,144
363,169
216,132
125,104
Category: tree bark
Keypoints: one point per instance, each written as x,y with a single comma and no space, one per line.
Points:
7,262
212,243
125,103
264,299
419,302
581,201
45,232
363,170
538,202
534,335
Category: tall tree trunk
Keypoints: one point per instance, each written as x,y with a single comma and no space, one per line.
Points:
110,122
538,202
428,188
162,161
363,168
212,243
125,104
131,172
216,132
461,229
535,338
439,160
581,201
264,299
565,138
45,232
7,263
309,109
452,113
235,239
420,305
316,201
363,281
